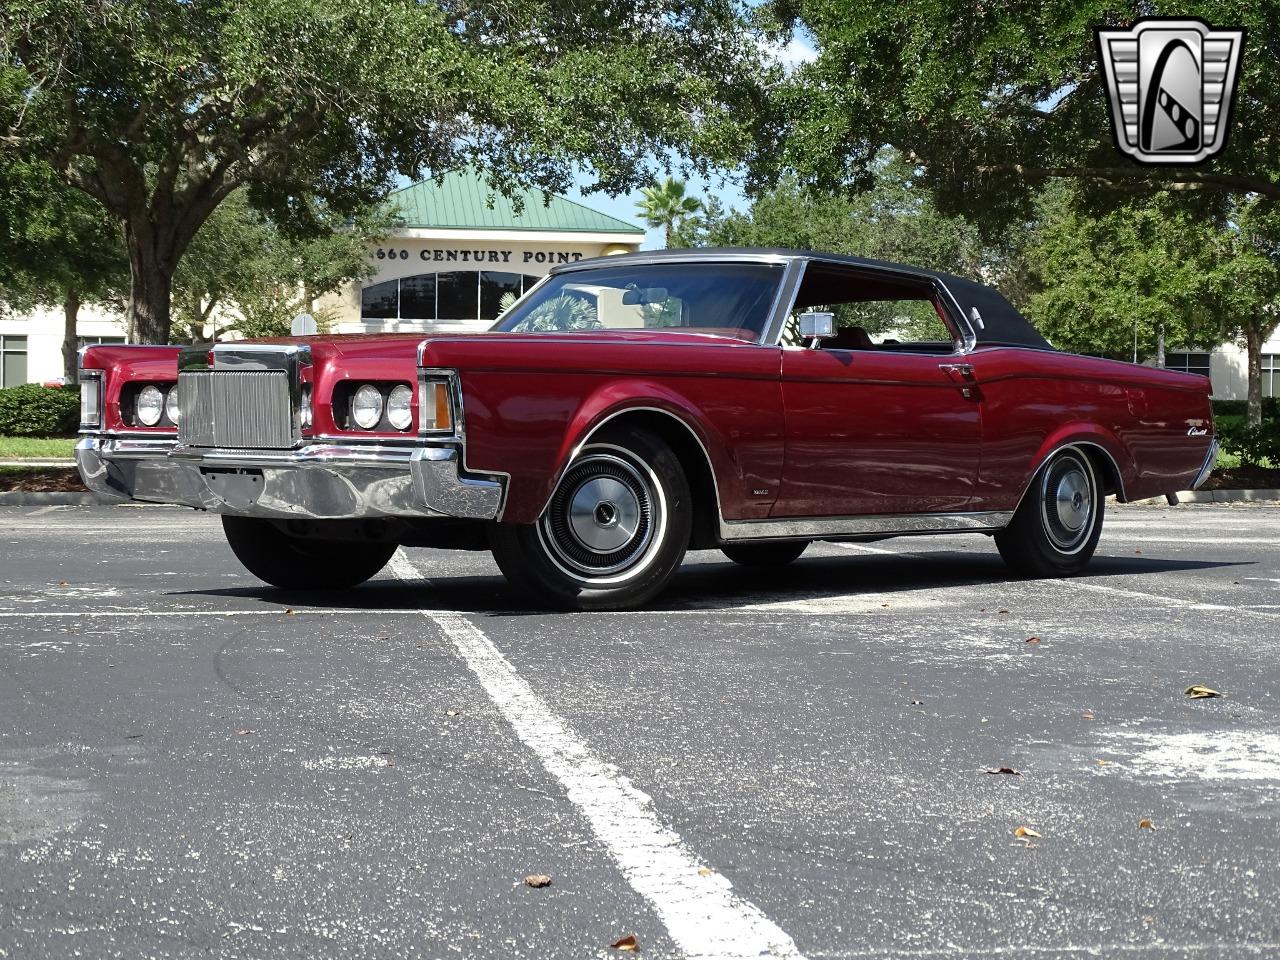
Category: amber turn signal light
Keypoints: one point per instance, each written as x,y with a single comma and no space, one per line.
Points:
437,415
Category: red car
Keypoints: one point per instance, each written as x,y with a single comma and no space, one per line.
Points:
630,408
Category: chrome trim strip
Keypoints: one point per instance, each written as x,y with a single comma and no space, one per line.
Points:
822,528
1210,461
1067,446
573,454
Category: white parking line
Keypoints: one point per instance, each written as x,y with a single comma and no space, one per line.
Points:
701,912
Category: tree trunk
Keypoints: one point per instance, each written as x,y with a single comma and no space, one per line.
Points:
151,284
70,337
1253,337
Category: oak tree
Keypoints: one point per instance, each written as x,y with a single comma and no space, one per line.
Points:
160,110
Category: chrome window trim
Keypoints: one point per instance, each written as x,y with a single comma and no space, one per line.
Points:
785,302
965,343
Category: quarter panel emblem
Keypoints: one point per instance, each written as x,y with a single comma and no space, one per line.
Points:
1171,84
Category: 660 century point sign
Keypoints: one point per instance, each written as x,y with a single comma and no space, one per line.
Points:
481,256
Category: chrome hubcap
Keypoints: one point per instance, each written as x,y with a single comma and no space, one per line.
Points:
605,518
604,514
1067,501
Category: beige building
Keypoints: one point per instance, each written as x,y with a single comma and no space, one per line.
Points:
462,249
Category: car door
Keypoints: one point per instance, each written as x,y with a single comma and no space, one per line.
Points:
888,428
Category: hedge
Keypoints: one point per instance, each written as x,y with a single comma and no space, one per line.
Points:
1252,444
31,410
1239,408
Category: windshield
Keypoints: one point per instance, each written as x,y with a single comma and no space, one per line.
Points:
727,299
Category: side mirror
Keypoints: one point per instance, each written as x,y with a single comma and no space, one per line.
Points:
976,319
816,327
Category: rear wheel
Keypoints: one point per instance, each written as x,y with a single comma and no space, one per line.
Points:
303,563
777,554
1056,528
614,532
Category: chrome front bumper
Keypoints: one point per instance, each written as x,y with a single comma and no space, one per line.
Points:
319,481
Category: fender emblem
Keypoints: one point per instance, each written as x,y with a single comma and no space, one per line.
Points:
1197,431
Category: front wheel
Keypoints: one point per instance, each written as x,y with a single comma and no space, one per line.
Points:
1056,527
614,532
302,563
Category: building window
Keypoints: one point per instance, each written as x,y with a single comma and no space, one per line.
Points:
1271,374
13,361
380,301
1189,362
451,296
82,342
418,297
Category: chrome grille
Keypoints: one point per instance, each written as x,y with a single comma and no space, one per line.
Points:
235,408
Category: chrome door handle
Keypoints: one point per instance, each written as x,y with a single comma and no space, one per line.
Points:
964,369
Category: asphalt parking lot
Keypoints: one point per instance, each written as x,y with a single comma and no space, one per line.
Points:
787,763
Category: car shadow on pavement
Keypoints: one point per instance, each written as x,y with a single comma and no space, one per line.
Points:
708,581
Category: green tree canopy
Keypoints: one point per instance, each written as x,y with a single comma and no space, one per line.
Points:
990,100
161,110
57,248
243,273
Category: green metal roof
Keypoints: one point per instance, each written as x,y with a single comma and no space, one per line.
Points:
463,201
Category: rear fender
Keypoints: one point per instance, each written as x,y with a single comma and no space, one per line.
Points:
1093,439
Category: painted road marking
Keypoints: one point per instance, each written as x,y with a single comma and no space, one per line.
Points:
701,912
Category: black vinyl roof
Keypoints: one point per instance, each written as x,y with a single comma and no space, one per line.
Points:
1002,323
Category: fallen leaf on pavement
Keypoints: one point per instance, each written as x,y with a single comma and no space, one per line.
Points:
629,944
705,872
1103,763
1033,639
1002,611
63,583
1198,691
1087,716
1022,833
1146,824
243,733
1006,770
451,713
288,611
537,880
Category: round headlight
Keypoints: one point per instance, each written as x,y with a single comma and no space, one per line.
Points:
171,405
400,407
366,407
149,405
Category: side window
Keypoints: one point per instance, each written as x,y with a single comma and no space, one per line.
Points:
874,311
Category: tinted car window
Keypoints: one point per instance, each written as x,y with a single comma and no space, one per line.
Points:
729,299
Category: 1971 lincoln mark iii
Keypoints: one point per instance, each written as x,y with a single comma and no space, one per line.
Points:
629,408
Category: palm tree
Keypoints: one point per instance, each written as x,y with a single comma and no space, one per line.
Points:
666,204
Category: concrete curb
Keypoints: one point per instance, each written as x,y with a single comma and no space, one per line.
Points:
1219,496
39,463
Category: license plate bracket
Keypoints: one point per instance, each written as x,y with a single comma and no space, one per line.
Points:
238,489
